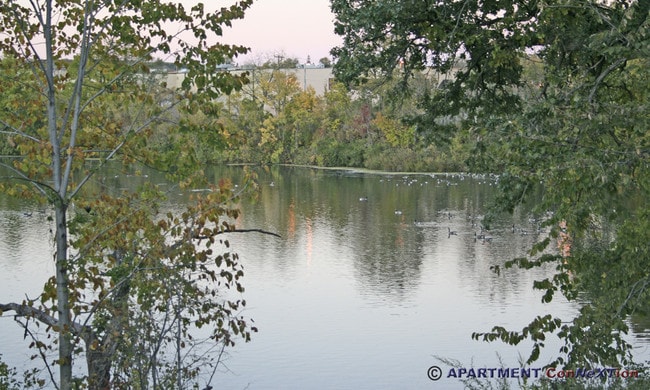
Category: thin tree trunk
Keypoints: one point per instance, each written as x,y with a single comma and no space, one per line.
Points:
63,298
60,206
60,180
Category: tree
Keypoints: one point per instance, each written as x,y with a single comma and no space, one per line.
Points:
393,132
549,92
326,62
304,115
80,77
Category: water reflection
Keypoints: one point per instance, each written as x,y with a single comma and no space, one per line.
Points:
355,285
387,249
366,284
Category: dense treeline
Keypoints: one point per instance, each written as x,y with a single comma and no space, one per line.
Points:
274,120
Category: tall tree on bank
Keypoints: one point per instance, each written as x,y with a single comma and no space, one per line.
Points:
552,92
79,76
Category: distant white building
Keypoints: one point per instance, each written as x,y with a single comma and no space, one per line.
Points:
174,80
310,75
315,76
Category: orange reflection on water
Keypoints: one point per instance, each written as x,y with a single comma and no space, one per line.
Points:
310,238
291,223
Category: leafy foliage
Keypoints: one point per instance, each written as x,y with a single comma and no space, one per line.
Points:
552,93
118,280
78,93
272,120
7,377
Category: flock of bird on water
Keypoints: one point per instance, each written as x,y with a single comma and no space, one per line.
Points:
483,235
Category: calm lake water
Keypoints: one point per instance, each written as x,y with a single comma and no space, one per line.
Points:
356,294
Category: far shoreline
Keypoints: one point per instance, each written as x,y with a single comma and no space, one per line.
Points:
364,170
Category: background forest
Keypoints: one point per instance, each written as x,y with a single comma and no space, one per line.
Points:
366,127
280,122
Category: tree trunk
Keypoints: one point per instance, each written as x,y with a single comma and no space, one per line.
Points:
63,298
99,361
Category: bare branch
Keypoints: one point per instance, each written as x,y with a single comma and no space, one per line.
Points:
42,316
223,347
75,99
40,186
199,237
637,290
249,231
15,131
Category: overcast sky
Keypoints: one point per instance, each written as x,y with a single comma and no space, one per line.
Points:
297,28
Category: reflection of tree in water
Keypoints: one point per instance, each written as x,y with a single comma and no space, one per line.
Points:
377,228
388,260
480,256
388,249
